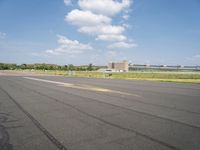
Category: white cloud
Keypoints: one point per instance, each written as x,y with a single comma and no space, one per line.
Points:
2,35
197,56
86,18
125,17
101,29
67,46
105,7
122,45
111,37
67,2
125,25
94,17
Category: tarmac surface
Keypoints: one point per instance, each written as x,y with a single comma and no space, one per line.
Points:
70,113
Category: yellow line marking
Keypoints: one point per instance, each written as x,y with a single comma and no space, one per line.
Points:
83,87
99,89
91,88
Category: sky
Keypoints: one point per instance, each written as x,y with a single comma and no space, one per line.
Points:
79,32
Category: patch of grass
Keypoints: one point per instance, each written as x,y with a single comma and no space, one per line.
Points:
196,81
164,77
153,76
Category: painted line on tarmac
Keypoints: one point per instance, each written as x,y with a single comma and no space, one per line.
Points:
83,87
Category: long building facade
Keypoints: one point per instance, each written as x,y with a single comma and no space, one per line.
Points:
119,66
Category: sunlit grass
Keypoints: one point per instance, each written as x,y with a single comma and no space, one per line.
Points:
164,77
153,76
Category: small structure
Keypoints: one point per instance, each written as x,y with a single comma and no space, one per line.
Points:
119,66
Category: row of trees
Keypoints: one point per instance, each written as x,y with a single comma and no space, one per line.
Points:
90,67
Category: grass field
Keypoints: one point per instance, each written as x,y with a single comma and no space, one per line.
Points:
165,77
153,76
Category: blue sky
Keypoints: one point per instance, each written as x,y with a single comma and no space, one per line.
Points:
86,31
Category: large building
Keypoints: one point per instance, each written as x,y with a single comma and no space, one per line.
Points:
119,66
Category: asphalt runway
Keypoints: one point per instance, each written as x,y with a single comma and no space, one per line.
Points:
69,113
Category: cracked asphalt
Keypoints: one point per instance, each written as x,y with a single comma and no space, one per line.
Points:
104,114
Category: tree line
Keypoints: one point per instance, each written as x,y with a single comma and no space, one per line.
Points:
70,67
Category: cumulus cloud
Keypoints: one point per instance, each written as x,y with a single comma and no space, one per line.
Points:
94,17
107,37
67,46
101,29
86,18
122,45
2,35
105,7
197,56
125,17
67,2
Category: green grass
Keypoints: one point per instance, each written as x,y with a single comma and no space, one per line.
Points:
164,77
153,76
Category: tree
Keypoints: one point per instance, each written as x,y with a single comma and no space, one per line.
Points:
65,67
23,66
71,67
90,67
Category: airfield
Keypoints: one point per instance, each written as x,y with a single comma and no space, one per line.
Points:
51,112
